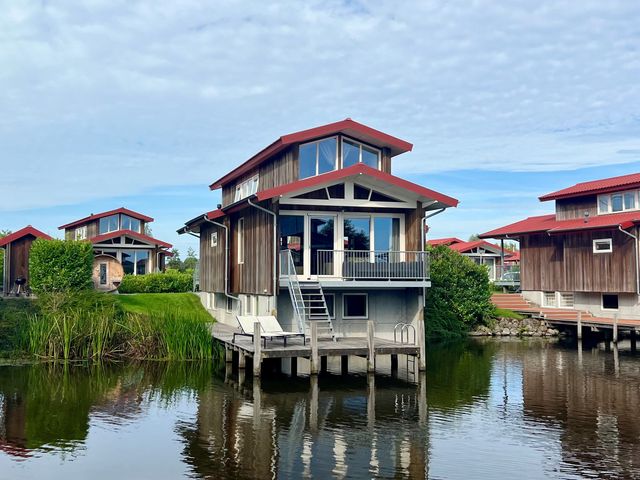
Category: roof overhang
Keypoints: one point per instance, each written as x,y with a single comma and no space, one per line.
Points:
95,216
130,233
23,232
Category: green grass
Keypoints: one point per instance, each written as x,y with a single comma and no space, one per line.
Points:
14,314
506,313
150,303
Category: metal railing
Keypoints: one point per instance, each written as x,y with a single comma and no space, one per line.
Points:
507,273
373,265
288,270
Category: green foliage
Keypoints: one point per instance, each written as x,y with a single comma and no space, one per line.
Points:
60,266
460,295
3,233
191,262
174,262
13,316
505,313
169,282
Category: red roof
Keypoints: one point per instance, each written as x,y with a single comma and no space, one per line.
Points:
95,216
354,170
549,224
130,233
468,246
444,241
512,256
596,186
347,126
28,230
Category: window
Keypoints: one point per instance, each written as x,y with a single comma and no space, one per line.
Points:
566,300
129,223
609,301
355,305
549,299
318,157
214,239
357,233
330,298
602,245
618,202
81,233
135,262
355,152
103,274
246,188
386,233
292,238
229,306
108,224
241,240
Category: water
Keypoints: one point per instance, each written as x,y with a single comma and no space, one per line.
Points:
487,409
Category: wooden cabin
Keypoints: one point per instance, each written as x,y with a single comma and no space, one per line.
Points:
120,245
16,247
585,254
315,227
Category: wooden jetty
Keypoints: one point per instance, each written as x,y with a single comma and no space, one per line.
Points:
317,350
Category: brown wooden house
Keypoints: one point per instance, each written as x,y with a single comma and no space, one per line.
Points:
120,245
585,255
16,247
315,227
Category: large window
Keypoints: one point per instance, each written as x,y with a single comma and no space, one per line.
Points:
292,238
355,152
357,233
318,157
355,305
108,224
135,262
129,223
246,188
618,202
386,234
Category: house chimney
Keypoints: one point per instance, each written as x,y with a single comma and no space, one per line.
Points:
586,217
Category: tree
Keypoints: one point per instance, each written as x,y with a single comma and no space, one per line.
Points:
174,262
3,233
147,230
60,266
191,262
474,238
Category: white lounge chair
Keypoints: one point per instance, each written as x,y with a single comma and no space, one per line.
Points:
269,328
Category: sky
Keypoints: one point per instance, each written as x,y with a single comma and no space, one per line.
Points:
143,104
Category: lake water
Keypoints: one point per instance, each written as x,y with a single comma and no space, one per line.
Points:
484,409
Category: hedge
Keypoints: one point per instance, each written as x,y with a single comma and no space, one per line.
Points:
60,266
169,282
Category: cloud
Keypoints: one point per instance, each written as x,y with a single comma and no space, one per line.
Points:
117,97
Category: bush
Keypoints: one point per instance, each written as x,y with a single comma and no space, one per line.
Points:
169,282
460,295
60,266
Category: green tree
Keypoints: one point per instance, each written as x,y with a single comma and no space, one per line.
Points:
174,263
190,262
60,266
474,237
3,233
460,295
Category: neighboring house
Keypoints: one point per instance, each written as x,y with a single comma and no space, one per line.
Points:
120,245
585,255
16,247
316,228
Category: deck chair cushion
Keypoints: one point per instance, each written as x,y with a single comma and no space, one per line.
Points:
246,322
270,325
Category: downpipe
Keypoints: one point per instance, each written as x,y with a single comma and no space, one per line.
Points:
635,238
275,250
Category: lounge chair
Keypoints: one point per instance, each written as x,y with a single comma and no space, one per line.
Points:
269,328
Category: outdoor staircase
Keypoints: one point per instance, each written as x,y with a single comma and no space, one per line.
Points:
316,310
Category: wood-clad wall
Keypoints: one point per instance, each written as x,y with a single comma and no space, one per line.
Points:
566,263
212,259
385,163
413,236
571,208
18,260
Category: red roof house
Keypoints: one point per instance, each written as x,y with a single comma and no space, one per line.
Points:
17,246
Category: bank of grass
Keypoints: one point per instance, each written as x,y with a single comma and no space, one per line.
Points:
92,326
506,313
13,315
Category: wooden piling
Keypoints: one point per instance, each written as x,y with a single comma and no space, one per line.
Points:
615,328
313,402
242,359
314,349
323,364
294,366
228,354
579,328
371,357
344,364
422,342
257,349
632,339
394,365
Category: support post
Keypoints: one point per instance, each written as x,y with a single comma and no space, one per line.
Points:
394,365
294,367
323,364
257,349
314,349
422,342
371,357
228,354
615,328
616,360
579,330
632,339
371,400
313,403
344,364
242,359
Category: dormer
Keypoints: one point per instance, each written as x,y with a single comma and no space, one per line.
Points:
106,222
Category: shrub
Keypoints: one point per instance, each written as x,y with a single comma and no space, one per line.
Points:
169,282
60,266
460,294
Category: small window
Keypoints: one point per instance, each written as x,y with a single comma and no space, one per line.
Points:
549,299
609,301
81,233
214,239
316,158
330,298
355,152
246,188
630,201
616,203
103,274
566,300
229,306
355,305
603,204
602,245
241,240
361,193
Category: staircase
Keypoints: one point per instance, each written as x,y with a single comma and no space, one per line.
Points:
315,309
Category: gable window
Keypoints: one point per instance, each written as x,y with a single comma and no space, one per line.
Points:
241,240
355,305
81,233
129,223
214,239
108,224
609,301
317,157
617,202
246,188
602,245
355,152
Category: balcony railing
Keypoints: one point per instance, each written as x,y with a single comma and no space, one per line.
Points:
373,265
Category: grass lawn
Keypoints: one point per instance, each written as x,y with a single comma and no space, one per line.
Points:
505,313
186,303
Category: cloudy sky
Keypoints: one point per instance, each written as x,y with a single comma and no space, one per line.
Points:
143,104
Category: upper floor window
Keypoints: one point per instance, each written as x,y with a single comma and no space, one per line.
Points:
129,223
618,202
81,233
355,152
318,157
109,224
246,188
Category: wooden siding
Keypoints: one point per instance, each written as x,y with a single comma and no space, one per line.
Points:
572,208
566,263
412,225
18,261
385,164
212,259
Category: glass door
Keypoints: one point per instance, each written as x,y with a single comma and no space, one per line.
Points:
321,244
292,238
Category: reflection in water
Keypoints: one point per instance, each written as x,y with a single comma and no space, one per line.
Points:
484,409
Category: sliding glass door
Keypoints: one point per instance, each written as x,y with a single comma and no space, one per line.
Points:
321,244
292,238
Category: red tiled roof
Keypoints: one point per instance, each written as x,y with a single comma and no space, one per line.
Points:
130,233
95,216
549,224
28,230
347,126
467,246
512,256
354,170
444,241
595,186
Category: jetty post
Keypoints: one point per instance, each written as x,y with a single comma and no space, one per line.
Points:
371,356
314,349
257,349
615,328
579,331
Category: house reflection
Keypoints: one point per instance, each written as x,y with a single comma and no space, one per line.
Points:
593,398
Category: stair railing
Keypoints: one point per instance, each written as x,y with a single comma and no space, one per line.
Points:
288,270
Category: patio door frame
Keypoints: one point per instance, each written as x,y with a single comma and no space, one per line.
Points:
307,244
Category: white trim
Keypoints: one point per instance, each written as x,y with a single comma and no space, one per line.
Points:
351,140
81,233
366,305
607,241
247,188
213,239
609,309
609,196
240,238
